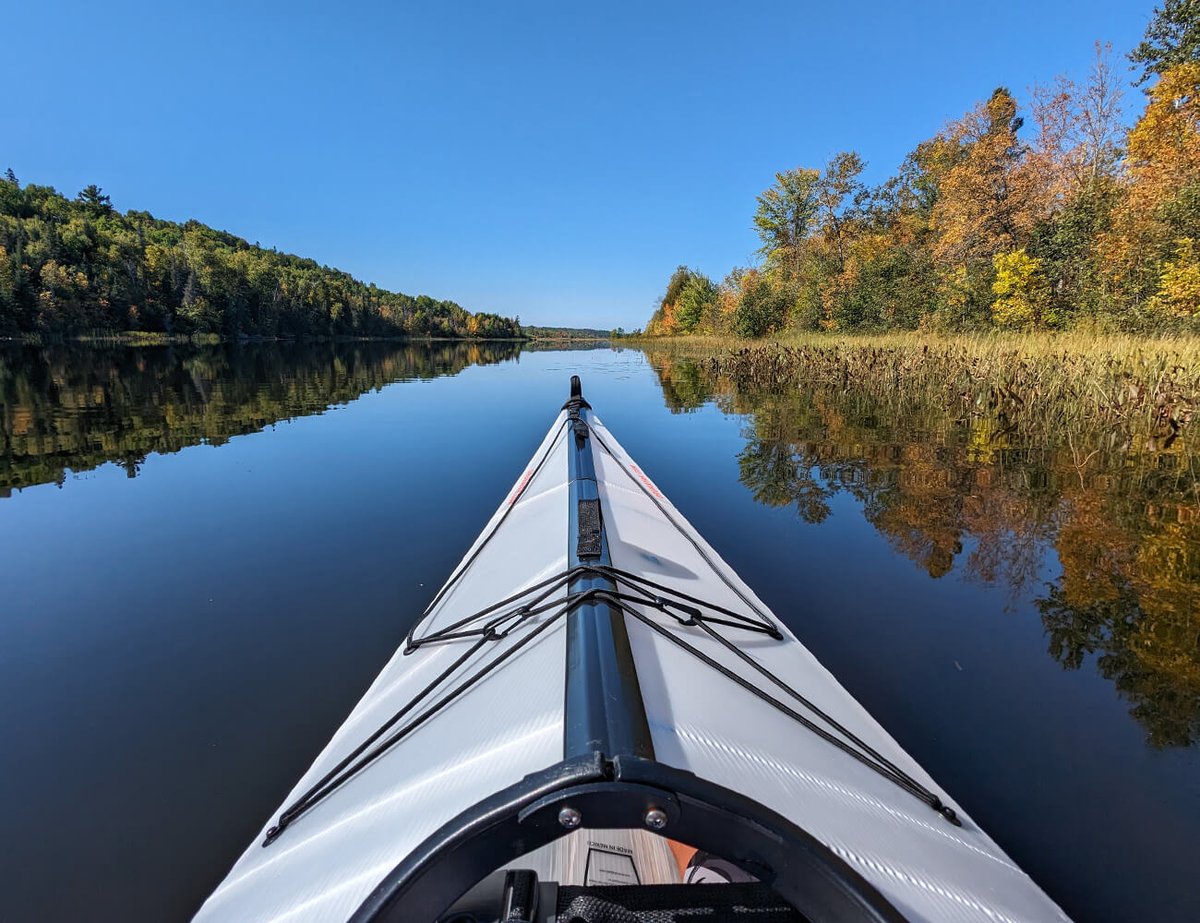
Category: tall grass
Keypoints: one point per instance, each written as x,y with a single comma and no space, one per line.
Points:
1071,383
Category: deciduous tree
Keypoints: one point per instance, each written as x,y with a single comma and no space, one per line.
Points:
786,213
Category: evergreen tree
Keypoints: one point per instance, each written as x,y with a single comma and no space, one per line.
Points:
1172,38
94,198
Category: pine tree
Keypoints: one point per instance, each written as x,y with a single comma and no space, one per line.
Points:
1173,37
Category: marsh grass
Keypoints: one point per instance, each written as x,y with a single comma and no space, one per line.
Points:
1062,469
1103,390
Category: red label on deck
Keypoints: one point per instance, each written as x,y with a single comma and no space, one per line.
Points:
521,485
646,481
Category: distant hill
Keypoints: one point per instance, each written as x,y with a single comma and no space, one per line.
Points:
568,333
79,266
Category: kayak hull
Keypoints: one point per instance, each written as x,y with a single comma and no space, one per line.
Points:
611,695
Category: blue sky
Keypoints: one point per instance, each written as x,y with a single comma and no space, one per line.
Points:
554,160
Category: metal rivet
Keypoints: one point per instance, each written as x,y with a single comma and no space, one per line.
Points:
570,818
656,818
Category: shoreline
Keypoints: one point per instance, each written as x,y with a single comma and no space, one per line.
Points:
1043,340
212,339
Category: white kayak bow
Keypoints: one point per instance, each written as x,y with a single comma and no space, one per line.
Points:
592,680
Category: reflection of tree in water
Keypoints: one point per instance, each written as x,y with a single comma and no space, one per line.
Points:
778,477
683,383
73,408
1129,595
1120,511
1148,669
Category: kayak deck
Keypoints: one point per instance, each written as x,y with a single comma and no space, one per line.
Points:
642,675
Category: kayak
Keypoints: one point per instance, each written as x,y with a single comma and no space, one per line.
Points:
594,713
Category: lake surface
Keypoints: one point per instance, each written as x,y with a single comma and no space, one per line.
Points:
206,554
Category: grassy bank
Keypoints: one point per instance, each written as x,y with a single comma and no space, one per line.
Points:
1076,341
1067,382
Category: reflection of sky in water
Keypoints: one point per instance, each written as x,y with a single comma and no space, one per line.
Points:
175,648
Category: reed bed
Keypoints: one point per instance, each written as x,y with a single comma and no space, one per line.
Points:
1122,386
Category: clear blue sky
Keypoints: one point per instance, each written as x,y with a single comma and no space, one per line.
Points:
554,160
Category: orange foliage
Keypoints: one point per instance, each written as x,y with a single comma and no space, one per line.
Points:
1163,159
990,200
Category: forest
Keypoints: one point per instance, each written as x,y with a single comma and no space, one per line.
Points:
1056,214
78,267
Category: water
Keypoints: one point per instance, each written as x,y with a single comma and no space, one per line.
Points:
207,554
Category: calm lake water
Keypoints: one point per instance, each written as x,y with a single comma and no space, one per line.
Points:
206,554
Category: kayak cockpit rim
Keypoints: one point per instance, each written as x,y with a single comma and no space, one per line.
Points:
619,794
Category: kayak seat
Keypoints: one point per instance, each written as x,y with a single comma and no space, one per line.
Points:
517,896
667,903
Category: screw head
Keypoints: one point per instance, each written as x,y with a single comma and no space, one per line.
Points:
656,818
570,818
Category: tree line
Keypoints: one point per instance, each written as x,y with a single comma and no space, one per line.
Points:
993,222
79,266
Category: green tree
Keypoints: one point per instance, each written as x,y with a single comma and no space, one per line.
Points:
71,265
1172,37
762,308
839,187
786,213
696,298
96,201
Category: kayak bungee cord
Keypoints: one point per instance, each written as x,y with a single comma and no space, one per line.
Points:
641,483
685,610
365,753
735,619
526,479
865,754
493,630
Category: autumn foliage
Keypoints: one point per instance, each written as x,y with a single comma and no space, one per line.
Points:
1033,217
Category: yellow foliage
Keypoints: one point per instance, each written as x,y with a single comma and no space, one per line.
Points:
862,251
991,198
1165,138
870,247
1179,285
61,282
1163,158
727,300
1022,294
